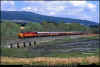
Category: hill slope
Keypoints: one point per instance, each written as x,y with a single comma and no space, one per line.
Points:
22,16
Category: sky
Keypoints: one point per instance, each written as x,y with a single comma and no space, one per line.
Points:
84,10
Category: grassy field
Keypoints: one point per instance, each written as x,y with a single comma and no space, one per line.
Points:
23,52
15,52
69,39
24,56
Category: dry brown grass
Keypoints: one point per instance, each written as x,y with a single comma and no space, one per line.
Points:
49,60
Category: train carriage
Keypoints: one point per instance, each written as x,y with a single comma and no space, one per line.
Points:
42,34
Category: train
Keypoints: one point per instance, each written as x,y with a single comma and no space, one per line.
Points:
46,34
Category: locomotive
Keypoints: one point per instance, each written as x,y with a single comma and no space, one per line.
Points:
46,34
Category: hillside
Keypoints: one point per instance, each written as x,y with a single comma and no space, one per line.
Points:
22,16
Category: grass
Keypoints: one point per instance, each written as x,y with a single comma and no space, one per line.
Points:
72,54
23,52
23,56
50,60
82,38
69,39
15,52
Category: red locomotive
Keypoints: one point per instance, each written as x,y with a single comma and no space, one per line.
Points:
42,34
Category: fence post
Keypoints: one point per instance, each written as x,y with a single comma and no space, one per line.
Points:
34,42
11,46
18,45
24,44
30,44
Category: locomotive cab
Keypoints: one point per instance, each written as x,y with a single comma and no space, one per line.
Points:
20,35
27,34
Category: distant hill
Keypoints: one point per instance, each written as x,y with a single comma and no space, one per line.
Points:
25,17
